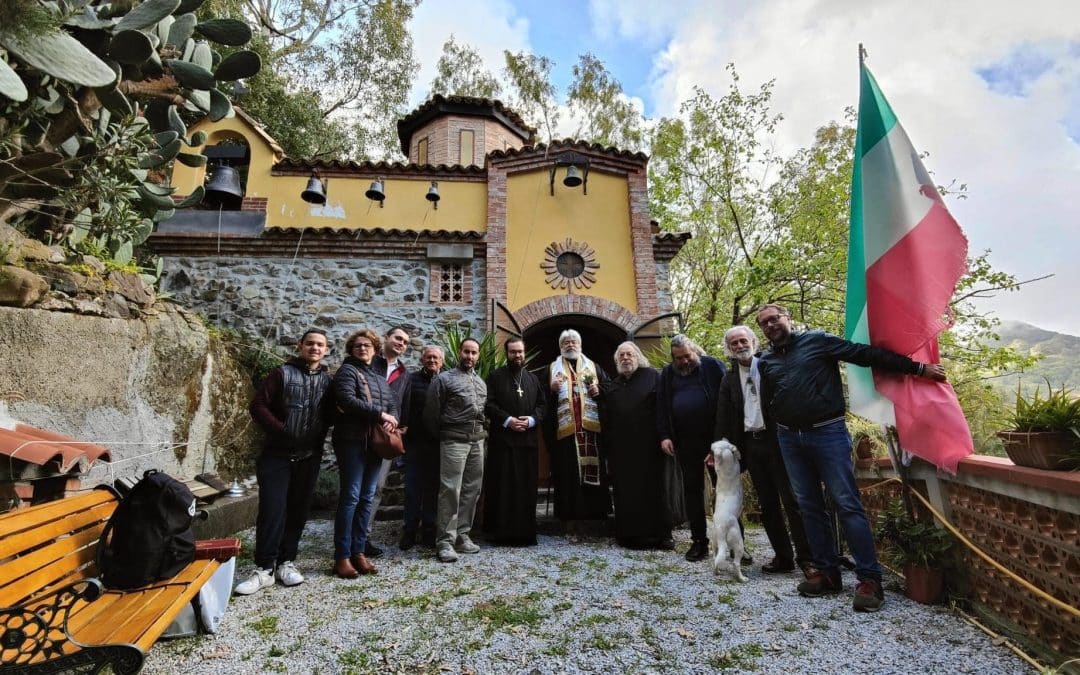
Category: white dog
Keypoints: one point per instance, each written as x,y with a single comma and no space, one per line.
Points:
725,537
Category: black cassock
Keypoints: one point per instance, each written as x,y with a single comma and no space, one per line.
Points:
511,468
635,459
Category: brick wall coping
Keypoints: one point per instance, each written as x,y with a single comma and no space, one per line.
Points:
1003,469
317,243
439,105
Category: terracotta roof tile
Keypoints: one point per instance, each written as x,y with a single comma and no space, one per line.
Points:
305,166
37,446
375,232
461,105
568,144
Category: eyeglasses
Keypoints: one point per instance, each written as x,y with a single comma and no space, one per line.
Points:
770,320
363,345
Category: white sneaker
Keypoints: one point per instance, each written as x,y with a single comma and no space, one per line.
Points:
288,575
446,554
466,545
258,580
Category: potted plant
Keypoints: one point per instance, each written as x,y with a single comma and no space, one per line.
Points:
866,440
919,548
1045,431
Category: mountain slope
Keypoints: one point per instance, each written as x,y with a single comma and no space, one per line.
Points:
1061,356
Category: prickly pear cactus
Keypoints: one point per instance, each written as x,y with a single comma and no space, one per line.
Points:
93,100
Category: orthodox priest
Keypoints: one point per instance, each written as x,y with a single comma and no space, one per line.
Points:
573,437
515,406
632,448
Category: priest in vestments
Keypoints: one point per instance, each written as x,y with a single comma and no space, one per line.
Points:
573,433
632,447
515,406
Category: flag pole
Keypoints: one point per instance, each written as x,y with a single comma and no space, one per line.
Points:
862,54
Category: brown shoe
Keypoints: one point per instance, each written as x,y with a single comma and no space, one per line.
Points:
360,562
344,569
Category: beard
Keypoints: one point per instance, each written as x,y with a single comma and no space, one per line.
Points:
571,354
627,369
687,369
744,355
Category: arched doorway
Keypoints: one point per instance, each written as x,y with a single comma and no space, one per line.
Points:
599,339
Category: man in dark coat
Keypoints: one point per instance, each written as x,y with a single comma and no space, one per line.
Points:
390,365
293,407
515,406
421,455
635,461
803,392
686,418
742,420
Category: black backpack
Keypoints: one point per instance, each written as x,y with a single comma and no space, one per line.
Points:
149,537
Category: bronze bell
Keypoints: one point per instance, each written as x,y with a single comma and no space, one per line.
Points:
223,188
315,192
375,192
573,177
433,194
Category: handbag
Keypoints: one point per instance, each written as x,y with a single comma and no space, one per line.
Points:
385,444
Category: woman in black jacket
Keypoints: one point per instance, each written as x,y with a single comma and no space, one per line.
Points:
363,398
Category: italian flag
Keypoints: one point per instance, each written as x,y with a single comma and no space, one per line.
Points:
905,256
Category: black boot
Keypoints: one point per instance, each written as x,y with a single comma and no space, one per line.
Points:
698,551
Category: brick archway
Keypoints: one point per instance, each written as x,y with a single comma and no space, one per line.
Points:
554,305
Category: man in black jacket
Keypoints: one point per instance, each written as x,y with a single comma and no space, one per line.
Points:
742,420
390,365
686,417
421,455
292,406
803,392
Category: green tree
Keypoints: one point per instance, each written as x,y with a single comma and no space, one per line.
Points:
352,58
606,115
460,72
709,176
532,94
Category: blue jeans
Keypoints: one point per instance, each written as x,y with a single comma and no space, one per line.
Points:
359,475
823,455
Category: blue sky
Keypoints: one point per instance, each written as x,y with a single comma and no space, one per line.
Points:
991,93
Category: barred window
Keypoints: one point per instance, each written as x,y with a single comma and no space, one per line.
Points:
451,282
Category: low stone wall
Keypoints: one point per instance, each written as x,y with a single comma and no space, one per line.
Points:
277,298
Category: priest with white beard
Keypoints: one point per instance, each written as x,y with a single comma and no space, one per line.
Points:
573,433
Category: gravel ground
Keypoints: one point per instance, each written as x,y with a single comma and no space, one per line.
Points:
569,605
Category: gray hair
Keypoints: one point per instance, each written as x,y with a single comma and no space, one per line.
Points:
436,348
681,340
735,329
569,333
642,361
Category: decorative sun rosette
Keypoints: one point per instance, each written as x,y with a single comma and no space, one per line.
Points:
569,264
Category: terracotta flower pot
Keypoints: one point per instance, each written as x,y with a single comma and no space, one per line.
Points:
924,584
1037,449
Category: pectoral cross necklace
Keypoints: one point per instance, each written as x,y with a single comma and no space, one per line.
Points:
520,391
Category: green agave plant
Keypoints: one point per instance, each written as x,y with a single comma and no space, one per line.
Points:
1059,411
492,354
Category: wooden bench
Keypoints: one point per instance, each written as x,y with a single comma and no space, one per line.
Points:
57,617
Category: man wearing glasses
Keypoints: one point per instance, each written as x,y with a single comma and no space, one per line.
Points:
742,420
802,391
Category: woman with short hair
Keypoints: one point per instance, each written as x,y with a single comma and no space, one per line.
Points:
363,399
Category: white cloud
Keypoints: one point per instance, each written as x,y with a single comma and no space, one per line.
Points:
488,26
1014,152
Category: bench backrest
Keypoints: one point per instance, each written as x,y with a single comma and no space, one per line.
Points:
51,544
